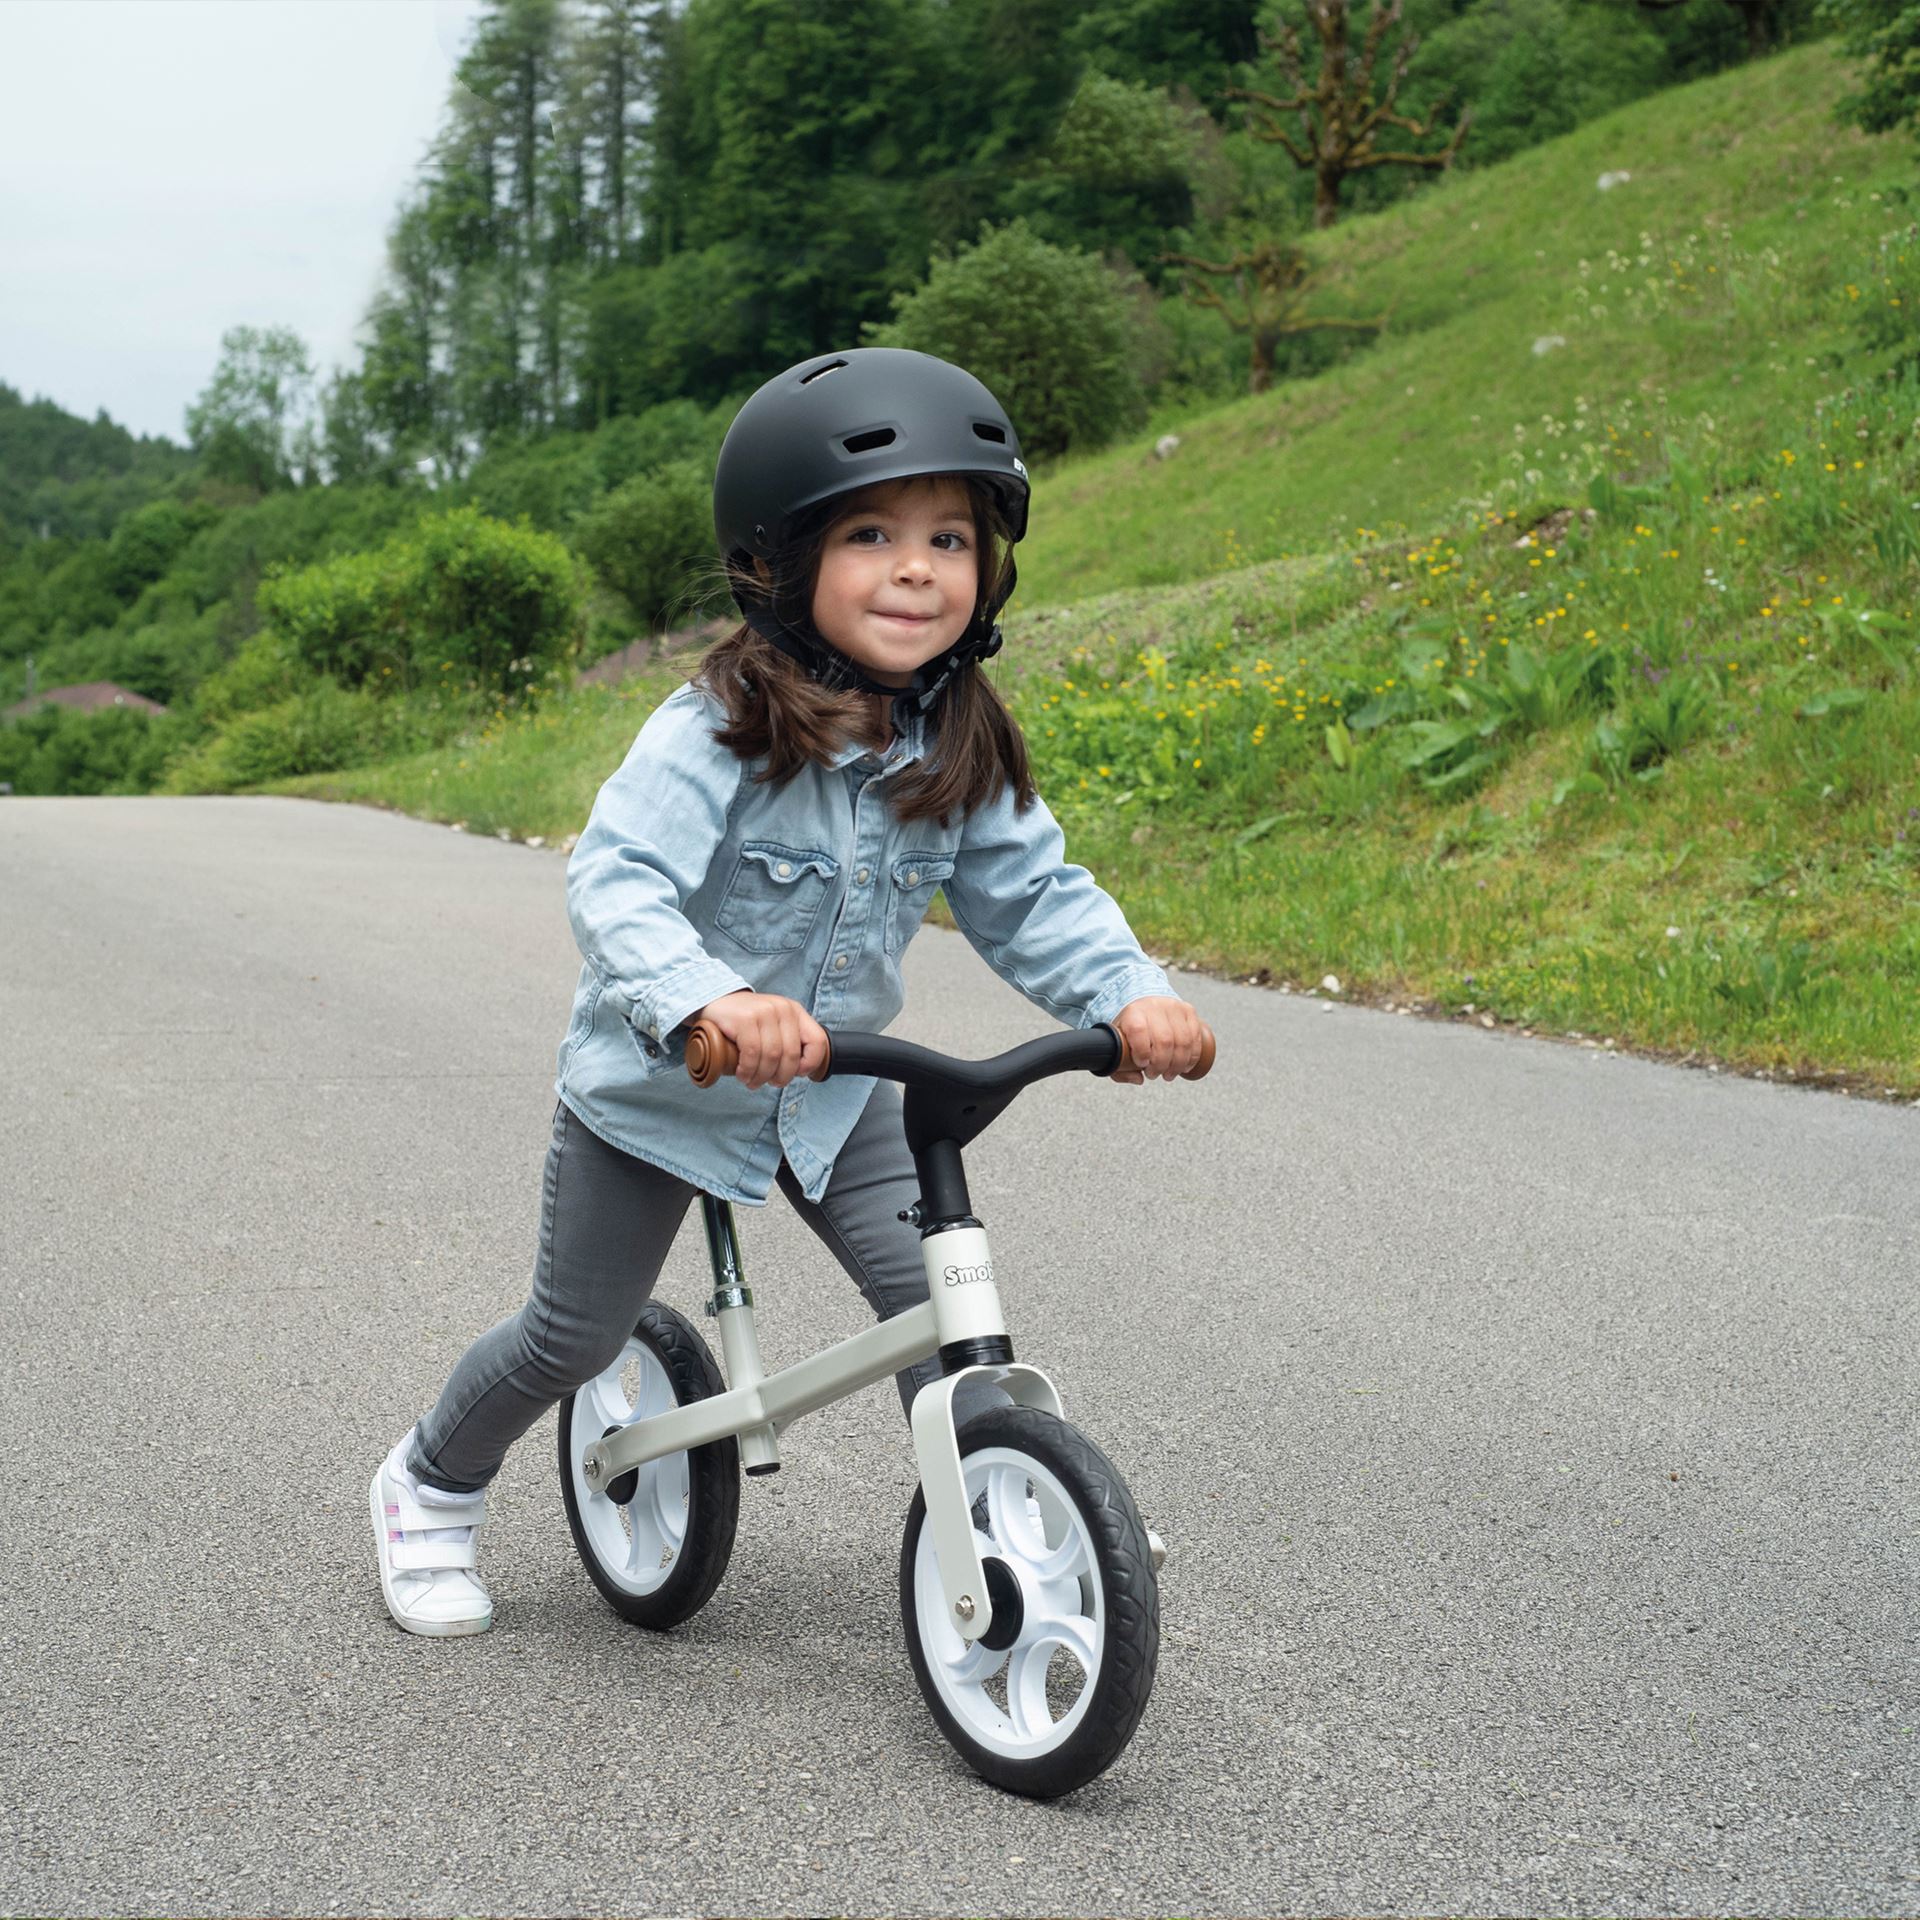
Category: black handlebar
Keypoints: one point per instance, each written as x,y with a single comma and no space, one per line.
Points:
1094,1049
949,1102
712,1056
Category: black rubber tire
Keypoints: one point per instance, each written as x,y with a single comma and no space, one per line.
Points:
713,1489
1125,1568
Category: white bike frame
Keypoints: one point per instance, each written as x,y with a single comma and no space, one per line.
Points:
963,1304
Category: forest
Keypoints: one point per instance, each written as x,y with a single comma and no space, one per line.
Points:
635,211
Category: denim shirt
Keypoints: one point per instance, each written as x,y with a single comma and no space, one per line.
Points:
693,880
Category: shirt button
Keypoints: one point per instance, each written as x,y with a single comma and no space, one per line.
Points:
784,868
913,879
863,876
840,960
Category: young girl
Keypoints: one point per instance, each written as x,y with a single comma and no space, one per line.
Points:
763,857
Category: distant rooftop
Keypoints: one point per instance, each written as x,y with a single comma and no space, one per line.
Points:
90,696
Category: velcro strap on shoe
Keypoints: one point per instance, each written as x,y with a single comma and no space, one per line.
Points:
413,1515
428,1552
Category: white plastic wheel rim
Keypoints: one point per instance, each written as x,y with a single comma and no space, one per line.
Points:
1038,1531
636,1546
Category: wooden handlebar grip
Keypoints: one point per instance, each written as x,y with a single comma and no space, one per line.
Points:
712,1056
1201,1068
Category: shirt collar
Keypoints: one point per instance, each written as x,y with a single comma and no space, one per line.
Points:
906,747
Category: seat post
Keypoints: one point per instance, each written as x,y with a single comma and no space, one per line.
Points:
723,1254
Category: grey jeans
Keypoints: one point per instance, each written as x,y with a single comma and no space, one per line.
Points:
606,1222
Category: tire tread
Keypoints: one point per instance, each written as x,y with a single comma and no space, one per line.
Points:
1131,1655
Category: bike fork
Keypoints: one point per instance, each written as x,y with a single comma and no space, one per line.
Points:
973,1345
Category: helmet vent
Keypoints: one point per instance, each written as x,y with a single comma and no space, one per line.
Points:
998,435
866,442
820,373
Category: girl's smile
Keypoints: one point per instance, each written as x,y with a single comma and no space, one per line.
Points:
899,577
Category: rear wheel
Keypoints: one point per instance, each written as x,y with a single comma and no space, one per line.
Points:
1051,1695
657,1540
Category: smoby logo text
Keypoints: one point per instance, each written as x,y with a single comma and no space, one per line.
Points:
968,1276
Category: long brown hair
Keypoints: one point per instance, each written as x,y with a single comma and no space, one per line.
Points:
777,712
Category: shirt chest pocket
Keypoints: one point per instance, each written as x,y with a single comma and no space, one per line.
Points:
774,896
915,879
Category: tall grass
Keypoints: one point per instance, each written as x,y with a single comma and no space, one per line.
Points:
1711,284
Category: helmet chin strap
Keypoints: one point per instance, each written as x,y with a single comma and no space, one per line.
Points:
832,668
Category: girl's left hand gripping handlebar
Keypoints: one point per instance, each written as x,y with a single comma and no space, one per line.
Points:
712,1056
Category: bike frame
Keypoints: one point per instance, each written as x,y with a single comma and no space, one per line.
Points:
962,1306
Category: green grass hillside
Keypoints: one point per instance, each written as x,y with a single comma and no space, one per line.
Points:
1709,284
1573,691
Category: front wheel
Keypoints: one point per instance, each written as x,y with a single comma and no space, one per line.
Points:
658,1538
1051,1695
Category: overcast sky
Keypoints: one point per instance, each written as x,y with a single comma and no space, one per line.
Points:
173,168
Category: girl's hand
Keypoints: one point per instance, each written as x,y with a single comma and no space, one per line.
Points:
1164,1037
779,1040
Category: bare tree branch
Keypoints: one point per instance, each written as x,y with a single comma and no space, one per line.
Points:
1270,280
1338,107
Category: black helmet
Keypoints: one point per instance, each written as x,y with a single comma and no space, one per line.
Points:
854,419
847,420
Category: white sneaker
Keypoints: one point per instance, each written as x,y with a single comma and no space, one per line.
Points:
425,1539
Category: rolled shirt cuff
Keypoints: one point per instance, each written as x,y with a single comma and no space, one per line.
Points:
683,993
1137,983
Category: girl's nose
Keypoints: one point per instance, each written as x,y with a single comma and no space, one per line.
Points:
913,565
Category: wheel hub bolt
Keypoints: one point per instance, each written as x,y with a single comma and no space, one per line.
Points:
590,1470
964,1606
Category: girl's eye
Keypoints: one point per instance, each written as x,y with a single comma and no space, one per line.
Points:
858,537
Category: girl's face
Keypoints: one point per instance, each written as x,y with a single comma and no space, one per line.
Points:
899,576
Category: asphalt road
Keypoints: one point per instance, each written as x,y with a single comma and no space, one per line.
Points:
1534,1431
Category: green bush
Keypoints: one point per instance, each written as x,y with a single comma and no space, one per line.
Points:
649,538
147,542
341,617
459,599
551,482
638,443
1187,356
293,528
1045,328
317,731
1884,35
79,593
1537,68
1114,175
265,671
494,603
